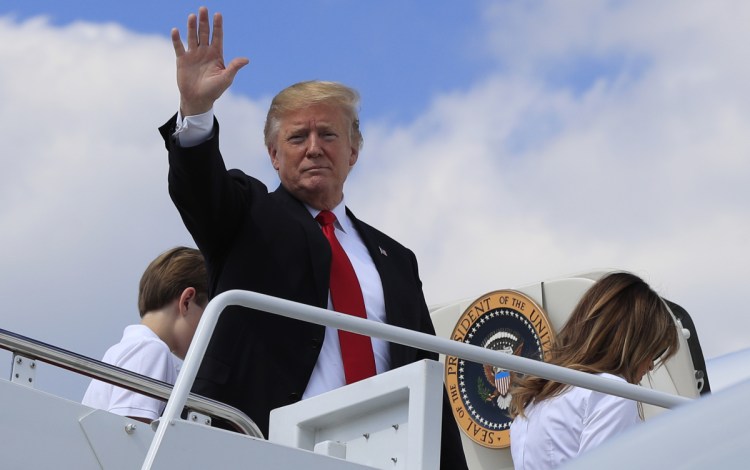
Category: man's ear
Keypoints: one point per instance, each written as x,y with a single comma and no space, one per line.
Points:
354,156
187,295
274,159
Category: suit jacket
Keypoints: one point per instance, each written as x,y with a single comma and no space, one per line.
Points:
268,243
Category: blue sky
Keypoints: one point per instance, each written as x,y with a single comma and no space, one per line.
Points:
506,143
397,53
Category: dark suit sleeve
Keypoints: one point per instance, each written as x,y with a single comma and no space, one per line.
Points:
209,198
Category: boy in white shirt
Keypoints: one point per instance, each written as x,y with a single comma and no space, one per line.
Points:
171,297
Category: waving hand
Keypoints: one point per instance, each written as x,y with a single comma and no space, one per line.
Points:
202,76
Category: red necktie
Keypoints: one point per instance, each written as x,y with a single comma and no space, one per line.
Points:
346,295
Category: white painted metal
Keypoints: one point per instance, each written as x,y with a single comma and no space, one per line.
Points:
24,370
392,420
41,431
27,347
729,369
44,431
192,446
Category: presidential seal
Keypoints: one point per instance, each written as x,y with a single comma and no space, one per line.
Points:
506,321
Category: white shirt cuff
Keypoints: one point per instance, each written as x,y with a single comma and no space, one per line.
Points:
193,130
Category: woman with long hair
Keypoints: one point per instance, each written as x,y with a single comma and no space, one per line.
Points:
620,329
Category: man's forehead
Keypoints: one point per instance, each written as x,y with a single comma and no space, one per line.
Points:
319,113
312,121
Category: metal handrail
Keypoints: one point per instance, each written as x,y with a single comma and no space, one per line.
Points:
37,350
386,332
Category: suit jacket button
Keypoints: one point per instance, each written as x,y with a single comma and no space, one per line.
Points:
294,396
316,343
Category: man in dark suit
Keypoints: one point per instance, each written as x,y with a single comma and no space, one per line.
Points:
273,242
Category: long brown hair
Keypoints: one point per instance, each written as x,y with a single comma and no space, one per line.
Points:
619,325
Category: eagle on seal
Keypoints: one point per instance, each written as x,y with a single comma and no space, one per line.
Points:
508,342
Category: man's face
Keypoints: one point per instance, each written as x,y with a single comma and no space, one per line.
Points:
313,154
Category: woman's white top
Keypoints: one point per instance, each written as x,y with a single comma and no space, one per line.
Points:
565,426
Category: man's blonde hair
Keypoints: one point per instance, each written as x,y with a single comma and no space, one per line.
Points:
304,94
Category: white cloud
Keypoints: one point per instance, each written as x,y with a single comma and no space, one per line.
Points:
642,165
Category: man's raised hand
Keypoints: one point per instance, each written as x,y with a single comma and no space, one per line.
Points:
202,76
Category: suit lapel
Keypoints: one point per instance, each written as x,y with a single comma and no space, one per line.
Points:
320,250
385,266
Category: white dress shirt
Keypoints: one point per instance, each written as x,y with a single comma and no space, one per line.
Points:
328,373
329,370
563,427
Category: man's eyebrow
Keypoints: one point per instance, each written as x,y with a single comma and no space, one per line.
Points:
304,126
298,127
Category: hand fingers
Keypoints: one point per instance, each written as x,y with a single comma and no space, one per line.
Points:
218,37
192,32
203,28
179,48
235,65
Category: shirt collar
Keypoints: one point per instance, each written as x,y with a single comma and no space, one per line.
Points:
342,221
